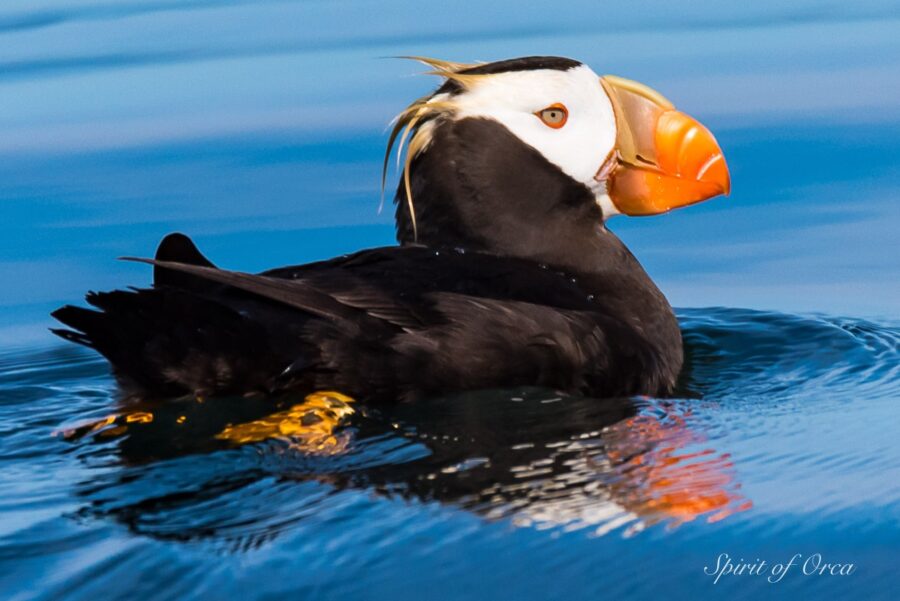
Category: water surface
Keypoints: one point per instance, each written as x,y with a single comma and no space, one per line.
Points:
257,127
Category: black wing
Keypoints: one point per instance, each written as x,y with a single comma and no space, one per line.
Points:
386,323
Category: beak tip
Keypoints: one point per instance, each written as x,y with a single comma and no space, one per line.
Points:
725,183
726,187
715,170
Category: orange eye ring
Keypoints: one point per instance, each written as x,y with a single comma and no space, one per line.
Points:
554,116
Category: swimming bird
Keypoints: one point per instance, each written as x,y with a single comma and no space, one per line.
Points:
505,274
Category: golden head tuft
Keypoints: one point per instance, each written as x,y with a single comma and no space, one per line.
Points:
414,125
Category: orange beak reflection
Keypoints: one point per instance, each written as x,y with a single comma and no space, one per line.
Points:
663,159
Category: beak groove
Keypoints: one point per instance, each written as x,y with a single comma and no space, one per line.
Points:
665,159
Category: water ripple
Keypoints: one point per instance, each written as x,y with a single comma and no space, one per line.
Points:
531,459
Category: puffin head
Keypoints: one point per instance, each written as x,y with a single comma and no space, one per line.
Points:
526,155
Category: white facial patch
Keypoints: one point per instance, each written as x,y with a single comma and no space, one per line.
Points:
580,146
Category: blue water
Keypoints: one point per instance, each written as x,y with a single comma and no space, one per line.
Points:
258,128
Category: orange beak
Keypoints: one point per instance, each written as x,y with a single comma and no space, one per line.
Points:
663,158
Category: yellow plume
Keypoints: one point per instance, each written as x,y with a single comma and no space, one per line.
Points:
407,126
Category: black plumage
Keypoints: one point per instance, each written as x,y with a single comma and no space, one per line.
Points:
512,280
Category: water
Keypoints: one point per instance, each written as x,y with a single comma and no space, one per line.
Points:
258,127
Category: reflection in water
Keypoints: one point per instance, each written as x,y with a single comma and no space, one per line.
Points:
531,456
309,426
244,470
670,474
806,405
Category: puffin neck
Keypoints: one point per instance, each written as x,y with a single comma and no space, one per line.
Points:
478,187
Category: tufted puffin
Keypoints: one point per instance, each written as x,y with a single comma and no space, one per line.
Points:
505,273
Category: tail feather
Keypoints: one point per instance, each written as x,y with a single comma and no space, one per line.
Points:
170,341
183,335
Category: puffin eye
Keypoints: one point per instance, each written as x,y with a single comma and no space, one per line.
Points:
554,116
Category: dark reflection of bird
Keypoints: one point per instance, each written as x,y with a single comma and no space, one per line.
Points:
506,274
530,456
